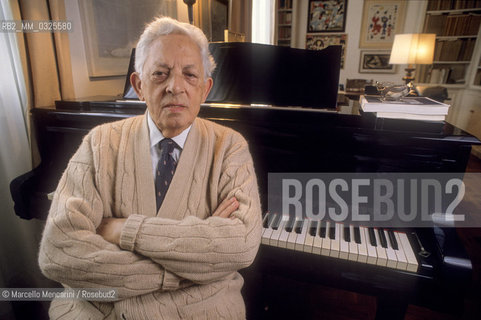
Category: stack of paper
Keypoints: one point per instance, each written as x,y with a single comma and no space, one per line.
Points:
414,108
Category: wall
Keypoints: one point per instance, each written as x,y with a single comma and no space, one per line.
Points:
84,86
412,24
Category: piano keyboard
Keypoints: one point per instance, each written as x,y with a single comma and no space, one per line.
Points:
376,246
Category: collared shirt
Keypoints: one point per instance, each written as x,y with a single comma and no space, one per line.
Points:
156,136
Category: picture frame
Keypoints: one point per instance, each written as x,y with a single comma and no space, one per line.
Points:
319,42
327,16
376,62
110,31
381,21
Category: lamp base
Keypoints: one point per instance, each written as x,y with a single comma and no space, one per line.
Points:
409,77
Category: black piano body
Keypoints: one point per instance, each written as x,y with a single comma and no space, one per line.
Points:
287,139
336,143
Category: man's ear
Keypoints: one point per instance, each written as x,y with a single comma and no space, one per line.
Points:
136,83
208,86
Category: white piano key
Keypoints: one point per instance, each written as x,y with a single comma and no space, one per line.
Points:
302,236
391,255
326,242
282,243
317,247
362,247
343,244
353,246
381,252
371,250
335,243
274,241
408,251
266,236
402,263
309,242
291,240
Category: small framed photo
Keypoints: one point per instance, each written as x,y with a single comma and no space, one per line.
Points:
327,16
381,21
376,62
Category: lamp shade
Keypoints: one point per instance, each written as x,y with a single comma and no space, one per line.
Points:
413,48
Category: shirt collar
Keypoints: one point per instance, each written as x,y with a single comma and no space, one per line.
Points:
156,136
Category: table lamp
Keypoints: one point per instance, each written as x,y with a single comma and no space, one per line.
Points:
411,49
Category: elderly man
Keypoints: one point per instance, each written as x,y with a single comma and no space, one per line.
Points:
170,246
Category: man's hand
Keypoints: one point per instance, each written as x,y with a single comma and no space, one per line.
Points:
226,208
110,229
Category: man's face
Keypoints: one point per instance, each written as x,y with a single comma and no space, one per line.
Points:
172,83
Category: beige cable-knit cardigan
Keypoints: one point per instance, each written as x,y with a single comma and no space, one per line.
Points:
179,262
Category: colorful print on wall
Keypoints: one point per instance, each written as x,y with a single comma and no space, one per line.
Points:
382,20
327,16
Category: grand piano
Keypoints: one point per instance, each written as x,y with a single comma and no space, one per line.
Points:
283,101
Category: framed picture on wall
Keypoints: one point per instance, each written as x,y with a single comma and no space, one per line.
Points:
319,42
327,16
376,62
381,21
110,31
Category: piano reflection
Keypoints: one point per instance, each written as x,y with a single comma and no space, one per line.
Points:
283,101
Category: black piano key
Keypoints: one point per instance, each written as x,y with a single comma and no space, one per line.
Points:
298,228
382,237
277,221
347,234
332,231
322,229
357,235
290,222
372,237
313,228
267,220
392,239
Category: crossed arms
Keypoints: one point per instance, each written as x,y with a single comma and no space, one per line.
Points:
81,247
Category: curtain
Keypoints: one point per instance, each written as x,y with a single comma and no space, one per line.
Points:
263,21
18,238
240,17
45,52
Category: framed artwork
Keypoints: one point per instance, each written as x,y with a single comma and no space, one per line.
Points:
376,62
110,31
319,42
327,16
381,21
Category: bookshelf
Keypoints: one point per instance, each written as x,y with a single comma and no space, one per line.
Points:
284,22
456,24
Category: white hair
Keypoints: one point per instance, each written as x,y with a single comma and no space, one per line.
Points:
164,26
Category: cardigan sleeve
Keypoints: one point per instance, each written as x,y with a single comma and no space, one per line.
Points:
205,250
72,253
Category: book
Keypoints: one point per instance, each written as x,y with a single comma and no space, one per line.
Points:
411,116
435,24
414,105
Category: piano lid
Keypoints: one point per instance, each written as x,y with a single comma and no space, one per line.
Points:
250,73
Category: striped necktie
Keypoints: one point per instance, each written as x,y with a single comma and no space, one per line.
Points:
165,170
